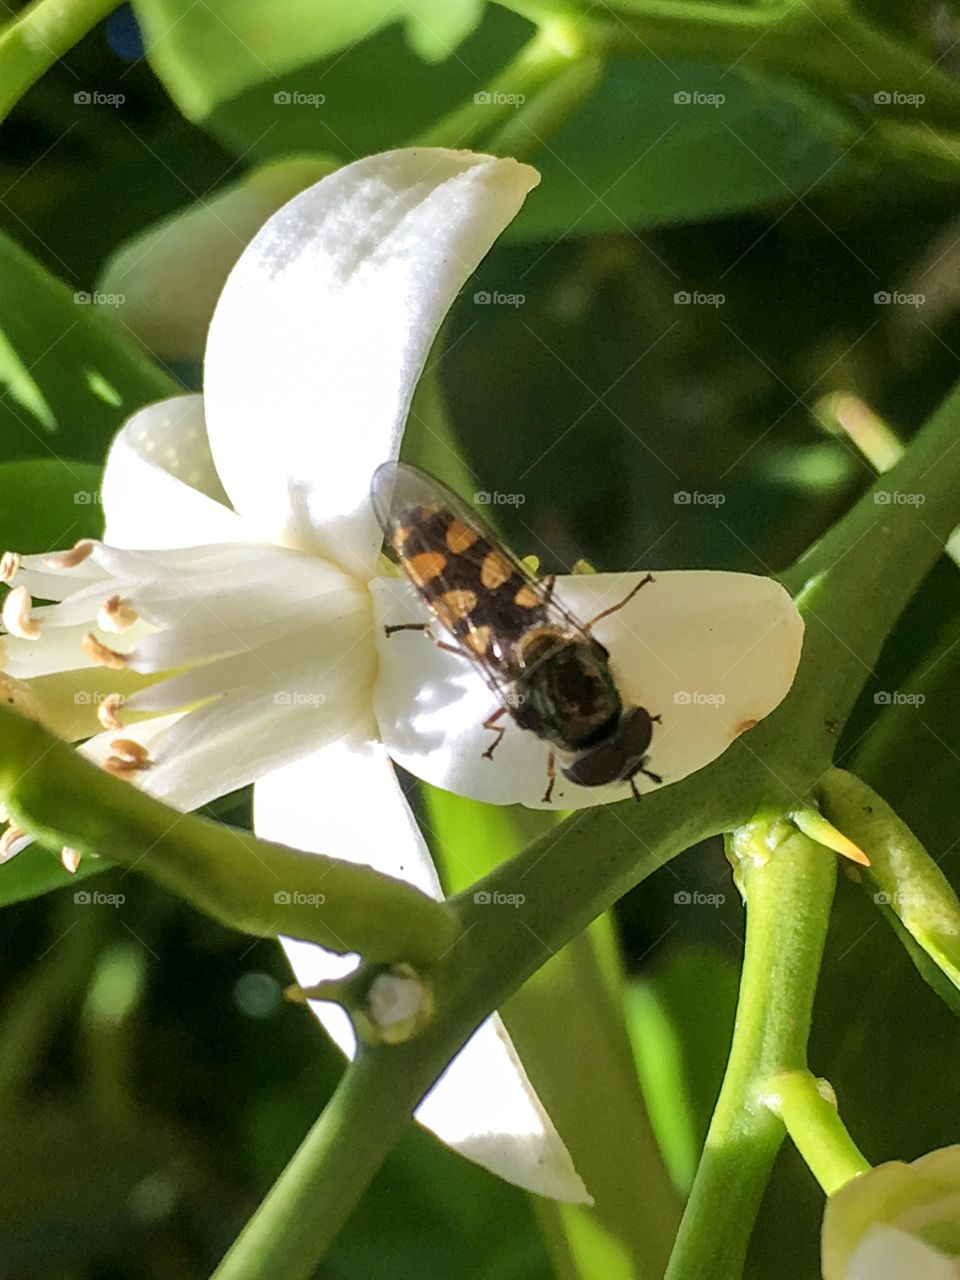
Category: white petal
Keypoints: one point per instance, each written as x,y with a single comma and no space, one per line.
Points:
710,652
324,326
171,274
885,1253
345,800
160,487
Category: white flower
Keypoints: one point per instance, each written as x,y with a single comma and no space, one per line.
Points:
896,1221
230,627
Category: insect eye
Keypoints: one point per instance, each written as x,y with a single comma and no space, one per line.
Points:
635,733
597,767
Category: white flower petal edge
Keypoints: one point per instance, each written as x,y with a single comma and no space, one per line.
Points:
160,487
885,1253
324,326
483,1106
710,652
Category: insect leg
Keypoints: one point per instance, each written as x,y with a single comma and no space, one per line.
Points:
425,628
498,729
615,608
551,777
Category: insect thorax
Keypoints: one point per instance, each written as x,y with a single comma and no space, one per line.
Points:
568,694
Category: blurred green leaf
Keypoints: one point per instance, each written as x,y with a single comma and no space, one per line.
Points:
68,376
680,1019
37,870
209,53
48,503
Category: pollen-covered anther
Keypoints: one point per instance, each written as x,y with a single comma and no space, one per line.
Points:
70,858
107,711
100,654
9,838
116,615
128,757
79,552
16,614
9,565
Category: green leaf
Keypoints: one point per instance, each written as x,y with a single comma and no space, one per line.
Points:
635,156
68,375
48,503
209,53
37,870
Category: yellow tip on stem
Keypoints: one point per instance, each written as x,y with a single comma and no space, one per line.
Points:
813,824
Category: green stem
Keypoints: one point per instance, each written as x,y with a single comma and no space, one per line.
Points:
788,894
814,1124
906,878
38,37
553,50
315,1194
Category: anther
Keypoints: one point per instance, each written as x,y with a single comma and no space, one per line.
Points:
16,614
9,565
107,711
100,654
116,615
79,552
70,858
9,838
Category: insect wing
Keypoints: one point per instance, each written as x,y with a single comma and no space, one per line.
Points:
419,515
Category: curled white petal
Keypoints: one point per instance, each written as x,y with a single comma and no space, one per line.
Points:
345,800
711,653
323,328
160,487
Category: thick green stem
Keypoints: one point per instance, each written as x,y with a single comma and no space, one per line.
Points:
788,894
315,1194
38,37
809,1111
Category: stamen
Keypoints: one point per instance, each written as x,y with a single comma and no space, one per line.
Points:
79,552
116,615
70,858
129,749
9,838
16,614
107,711
129,758
92,647
9,565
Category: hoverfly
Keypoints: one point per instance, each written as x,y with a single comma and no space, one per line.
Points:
548,672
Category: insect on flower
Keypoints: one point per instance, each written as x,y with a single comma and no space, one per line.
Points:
547,670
